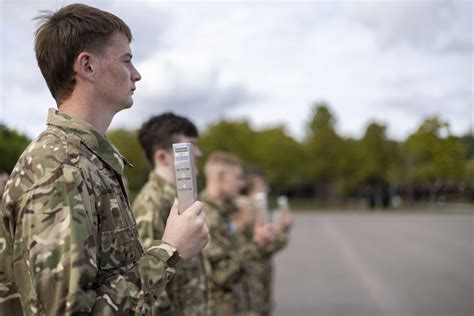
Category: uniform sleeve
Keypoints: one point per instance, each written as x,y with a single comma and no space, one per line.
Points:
9,297
60,234
281,240
151,213
224,267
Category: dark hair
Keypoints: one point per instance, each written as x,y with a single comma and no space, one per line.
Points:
252,173
160,132
63,35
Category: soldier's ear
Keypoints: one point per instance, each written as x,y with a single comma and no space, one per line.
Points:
221,175
84,66
162,157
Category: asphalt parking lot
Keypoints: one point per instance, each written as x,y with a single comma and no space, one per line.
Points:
383,264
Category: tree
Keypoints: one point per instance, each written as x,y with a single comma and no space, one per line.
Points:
236,137
322,119
282,156
325,151
376,157
467,141
434,156
272,149
468,182
12,144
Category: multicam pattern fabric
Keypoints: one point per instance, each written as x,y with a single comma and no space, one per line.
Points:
226,256
68,239
186,293
263,274
251,279
259,272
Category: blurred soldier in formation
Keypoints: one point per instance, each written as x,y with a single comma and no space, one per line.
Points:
226,255
186,293
245,220
68,239
257,190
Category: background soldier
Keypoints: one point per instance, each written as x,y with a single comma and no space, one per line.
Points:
68,239
225,255
246,223
186,293
263,273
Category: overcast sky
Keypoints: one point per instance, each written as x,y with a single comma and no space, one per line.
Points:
269,62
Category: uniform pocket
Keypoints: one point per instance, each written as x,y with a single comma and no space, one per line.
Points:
119,248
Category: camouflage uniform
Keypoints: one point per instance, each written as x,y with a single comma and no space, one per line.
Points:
264,271
226,256
68,239
252,279
258,279
186,293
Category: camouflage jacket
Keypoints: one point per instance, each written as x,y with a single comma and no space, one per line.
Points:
68,239
186,293
253,281
263,273
226,256
258,277
281,240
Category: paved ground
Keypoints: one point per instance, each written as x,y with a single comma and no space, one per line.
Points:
382,264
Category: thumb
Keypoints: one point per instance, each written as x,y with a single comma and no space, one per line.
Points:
174,209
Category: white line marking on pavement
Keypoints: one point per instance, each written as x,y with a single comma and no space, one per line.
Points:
377,290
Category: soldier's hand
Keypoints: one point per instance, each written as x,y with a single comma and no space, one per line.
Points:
264,234
187,232
287,220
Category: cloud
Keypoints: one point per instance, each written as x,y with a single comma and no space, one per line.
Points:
413,107
269,61
440,26
149,24
174,81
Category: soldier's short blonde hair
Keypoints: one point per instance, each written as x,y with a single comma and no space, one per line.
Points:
221,158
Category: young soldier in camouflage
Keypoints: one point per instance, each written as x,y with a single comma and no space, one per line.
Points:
186,293
246,223
68,239
226,255
262,273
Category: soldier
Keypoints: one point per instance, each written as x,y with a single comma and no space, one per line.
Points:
186,293
262,274
225,255
68,239
246,223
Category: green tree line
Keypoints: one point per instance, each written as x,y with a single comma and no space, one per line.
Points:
432,164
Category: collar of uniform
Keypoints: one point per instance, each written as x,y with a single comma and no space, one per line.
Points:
96,142
162,183
224,207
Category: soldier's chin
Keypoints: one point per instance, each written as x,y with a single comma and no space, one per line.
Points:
127,105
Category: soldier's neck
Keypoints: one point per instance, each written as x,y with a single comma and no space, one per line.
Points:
166,174
214,191
99,117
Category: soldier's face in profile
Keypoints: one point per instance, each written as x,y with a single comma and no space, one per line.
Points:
260,185
232,181
116,74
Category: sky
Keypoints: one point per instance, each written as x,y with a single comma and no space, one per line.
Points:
269,62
